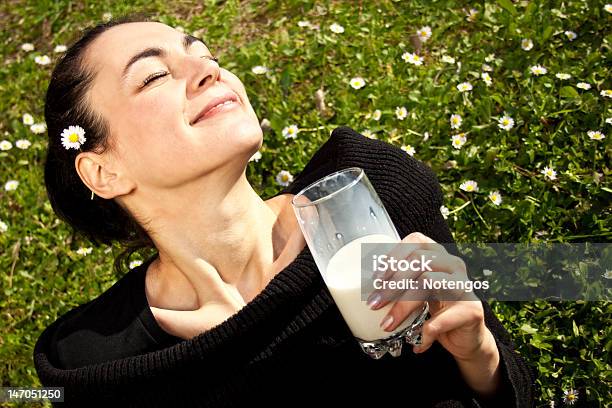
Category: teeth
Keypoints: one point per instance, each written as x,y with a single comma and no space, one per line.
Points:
225,103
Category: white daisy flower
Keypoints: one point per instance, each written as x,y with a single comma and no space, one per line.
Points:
608,274
487,272
458,140
283,178
303,23
448,59
84,251
469,186
73,137
471,15
23,143
3,227
336,28
455,121
609,121
549,172
412,58
259,69
38,128
490,57
107,16
464,87
357,82
486,78
135,263
60,48
538,70
562,75
444,210
606,92
424,33
42,59
595,135
376,114
487,67
5,145
583,85
27,47
570,396
256,156
526,44
11,185
401,112
571,35
290,131
608,8
425,136
505,122
27,119
408,149
495,197
368,133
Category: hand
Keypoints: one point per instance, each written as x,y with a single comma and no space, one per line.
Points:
457,316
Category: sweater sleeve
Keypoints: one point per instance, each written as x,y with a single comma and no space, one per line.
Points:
417,196
517,378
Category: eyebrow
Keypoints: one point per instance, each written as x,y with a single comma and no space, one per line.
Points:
188,39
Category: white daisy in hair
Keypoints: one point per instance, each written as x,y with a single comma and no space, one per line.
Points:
73,137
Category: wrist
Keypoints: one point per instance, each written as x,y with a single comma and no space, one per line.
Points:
485,351
481,370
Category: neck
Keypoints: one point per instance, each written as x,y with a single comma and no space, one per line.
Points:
232,232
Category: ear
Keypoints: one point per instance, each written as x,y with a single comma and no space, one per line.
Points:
100,176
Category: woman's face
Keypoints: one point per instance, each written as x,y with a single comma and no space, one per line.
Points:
154,139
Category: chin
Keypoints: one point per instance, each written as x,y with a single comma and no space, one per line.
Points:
250,136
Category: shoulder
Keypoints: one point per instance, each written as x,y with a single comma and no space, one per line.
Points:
81,336
393,170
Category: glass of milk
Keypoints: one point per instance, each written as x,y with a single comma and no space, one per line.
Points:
338,213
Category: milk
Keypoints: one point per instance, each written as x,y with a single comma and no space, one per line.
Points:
343,279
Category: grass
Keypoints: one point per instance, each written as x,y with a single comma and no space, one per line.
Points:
568,343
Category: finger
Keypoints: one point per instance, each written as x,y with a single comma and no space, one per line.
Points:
411,242
424,241
401,311
410,301
458,314
388,289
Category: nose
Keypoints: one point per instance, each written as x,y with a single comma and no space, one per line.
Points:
205,73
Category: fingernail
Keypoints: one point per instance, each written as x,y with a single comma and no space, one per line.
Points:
386,322
374,300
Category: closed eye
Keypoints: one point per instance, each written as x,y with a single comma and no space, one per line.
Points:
153,77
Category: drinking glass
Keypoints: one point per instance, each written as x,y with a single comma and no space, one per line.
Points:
336,214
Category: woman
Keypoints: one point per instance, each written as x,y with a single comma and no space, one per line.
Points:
232,309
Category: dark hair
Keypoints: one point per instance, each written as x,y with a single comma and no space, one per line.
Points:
102,221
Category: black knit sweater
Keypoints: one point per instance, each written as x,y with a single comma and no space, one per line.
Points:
290,346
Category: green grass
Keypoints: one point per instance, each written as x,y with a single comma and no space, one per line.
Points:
569,343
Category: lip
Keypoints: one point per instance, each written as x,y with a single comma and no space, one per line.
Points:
228,96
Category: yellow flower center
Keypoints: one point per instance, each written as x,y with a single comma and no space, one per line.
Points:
73,137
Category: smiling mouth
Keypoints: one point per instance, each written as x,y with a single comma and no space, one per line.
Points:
227,103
